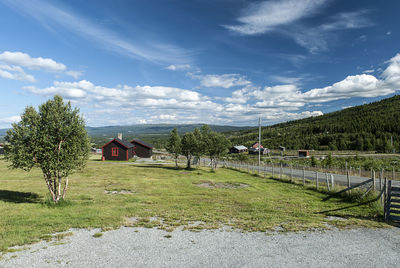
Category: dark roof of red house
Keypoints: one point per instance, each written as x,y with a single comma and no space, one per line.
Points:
145,144
126,144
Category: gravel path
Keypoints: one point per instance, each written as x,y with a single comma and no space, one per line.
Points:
140,247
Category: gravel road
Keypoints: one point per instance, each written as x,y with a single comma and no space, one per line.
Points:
140,247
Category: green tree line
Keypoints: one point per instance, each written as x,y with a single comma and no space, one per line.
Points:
370,127
200,142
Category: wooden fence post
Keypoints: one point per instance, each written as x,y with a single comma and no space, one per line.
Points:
373,182
304,177
332,182
280,171
348,180
327,181
272,170
383,197
291,174
388,200
316,179
393,174
265,169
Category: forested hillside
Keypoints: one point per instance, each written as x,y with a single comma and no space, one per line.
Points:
366,127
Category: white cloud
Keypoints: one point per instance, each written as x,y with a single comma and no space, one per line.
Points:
75,74
368,71
15,73
10,119
347,20
14,61
286,17
126,104
179,67
290,97
23,59
265,16
223,80
287,79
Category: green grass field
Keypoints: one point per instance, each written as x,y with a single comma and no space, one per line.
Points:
163,197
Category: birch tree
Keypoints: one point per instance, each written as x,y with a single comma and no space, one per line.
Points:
174,145
53,139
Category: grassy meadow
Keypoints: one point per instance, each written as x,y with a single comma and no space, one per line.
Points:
110,194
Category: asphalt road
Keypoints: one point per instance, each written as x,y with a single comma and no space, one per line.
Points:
310,175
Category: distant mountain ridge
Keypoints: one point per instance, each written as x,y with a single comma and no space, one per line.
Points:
156,129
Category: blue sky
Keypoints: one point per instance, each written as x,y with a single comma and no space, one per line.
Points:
198,61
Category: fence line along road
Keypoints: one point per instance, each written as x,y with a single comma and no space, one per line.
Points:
308,174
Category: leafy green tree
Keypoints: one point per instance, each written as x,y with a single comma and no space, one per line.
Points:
53,139
314,162
216,146
189,144
174,145
199,149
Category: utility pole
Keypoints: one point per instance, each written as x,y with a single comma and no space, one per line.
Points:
259,141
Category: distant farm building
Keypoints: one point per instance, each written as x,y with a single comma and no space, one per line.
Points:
255,145
142,149
117,149
304,153
238,149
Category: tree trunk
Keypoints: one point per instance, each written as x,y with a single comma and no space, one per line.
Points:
49,185
65,188
188,162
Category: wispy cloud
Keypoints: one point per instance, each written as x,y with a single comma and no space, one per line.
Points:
265,16
287,17
318,38
178,67
221,80
52,16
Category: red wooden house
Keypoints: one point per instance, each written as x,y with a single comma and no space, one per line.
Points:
142,149
117,149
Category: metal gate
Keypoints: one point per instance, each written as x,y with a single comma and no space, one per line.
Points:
392,203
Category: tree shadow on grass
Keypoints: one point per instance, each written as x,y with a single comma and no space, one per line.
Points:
19,197
167,167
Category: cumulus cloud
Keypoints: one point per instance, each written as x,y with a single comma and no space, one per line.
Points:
291,97
13,63
223,80
23,59
15,73
74,74
10,119
124,104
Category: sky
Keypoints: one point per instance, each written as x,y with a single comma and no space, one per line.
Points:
223,62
